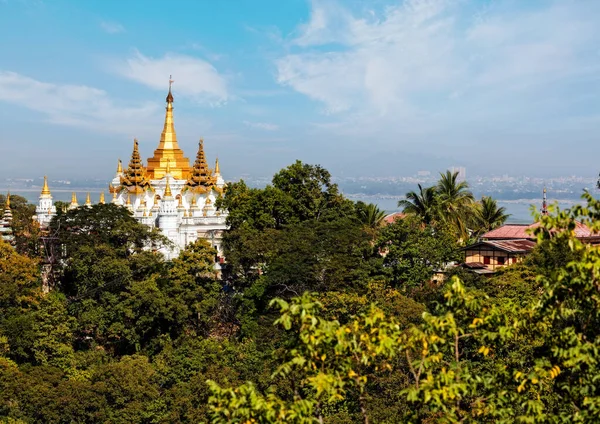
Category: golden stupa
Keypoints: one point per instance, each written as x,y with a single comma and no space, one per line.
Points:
168,151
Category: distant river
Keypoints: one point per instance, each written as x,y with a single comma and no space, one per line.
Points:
519,210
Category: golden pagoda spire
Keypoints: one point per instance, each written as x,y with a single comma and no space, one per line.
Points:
102,198
7,204
88,200
168,190
201,175
120,167
128,199
168,149
45,189
217,169
134,178
74,202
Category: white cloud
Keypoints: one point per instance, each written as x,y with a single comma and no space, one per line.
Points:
75,105
111,27
262,125
430,62
194,77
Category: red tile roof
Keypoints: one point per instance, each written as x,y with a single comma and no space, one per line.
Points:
393,216
520,231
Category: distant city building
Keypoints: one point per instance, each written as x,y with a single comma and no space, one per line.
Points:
167,193
462,173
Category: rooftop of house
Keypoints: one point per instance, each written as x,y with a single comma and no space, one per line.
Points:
393,216
525,231
510,246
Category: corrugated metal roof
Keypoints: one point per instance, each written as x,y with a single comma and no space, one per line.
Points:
511,246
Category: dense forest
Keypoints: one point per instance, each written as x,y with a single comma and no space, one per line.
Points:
325,314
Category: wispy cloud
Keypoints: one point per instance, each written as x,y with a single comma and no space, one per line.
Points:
262,125
75,105
194,77
111,27
418,61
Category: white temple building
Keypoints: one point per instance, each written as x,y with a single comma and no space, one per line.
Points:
167,193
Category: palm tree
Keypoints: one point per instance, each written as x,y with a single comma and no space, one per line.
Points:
423,204
455,201
371,216
488,215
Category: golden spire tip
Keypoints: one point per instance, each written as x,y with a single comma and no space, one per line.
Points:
168,189
45,189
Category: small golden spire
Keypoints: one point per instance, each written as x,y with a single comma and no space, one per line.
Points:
168,190
120,167
102,198
45,189
88,200
8,200
193,200
217,169
180,204
155,201
128,199
74,203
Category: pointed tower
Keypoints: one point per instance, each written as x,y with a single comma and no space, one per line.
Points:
45,209
88,201
113,186
201,178
6,222
101,201
73,204
168,217
544,210
168,149
134,178
219,181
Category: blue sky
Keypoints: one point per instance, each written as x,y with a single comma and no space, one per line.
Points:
363,88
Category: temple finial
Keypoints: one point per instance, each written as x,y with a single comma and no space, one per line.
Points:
544,203
45,189
120,167
170,95
7,205
88,200
217,169
168,190
74,202
102,198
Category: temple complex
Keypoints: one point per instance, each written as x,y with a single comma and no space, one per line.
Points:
166,193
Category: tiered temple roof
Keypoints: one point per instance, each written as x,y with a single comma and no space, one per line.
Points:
201,176
134,179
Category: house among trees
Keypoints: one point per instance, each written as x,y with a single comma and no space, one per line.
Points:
509,243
